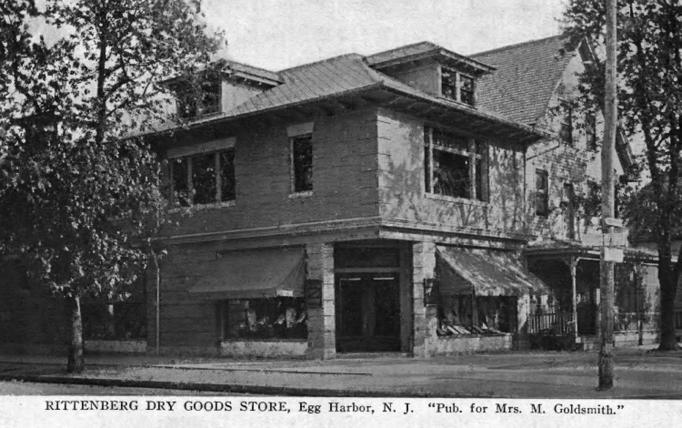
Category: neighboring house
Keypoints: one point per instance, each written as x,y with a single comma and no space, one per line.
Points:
381,203
536,84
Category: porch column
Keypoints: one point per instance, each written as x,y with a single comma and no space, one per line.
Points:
321,320
423,267
573,264
597,317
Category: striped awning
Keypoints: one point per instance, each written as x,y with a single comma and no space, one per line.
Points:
272,272
488,273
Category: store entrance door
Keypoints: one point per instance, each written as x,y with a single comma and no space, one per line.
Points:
367,313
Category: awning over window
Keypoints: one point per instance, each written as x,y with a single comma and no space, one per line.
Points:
465,272
253,274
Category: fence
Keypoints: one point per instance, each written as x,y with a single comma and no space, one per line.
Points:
552,323
630,321
561,323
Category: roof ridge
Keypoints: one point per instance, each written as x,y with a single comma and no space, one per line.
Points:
515,45
231,61
435,45
321,61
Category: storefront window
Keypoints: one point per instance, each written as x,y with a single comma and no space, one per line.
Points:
271,318
459,315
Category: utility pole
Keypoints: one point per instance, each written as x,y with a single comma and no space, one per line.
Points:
606,265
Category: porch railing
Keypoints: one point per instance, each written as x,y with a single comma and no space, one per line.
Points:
630,321
561,323
551,323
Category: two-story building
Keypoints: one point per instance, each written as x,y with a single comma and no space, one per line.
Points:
385,203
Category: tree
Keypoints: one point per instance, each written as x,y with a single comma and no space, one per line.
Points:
649,94
80,197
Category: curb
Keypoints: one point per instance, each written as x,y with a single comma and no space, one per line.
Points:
273,390
214,387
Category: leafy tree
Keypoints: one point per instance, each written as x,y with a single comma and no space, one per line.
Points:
649,96
81,198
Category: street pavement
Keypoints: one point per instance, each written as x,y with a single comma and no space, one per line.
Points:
640,373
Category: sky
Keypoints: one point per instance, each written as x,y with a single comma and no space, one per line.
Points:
276,34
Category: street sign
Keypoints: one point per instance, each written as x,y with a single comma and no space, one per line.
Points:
616,239
611,254
613,222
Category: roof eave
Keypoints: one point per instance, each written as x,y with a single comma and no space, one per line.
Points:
440,53
523,133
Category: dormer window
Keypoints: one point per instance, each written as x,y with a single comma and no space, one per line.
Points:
466,89
199,99
457,86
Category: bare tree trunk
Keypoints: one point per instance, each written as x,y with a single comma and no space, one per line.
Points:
76,362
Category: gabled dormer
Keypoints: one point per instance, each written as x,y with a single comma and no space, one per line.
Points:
226,85
432,69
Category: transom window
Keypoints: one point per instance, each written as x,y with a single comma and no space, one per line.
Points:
454,165
302,163
457,86
203,178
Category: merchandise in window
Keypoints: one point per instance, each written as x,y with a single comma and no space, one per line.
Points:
271,318
465,315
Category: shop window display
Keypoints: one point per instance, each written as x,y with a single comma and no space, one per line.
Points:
459,315
271,318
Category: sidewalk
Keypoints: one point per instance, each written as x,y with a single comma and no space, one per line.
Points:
639,374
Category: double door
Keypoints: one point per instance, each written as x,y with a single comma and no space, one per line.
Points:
367,313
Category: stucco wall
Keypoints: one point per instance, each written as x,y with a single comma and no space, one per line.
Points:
425,77
401,182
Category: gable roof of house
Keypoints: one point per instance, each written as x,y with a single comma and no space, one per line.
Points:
527,75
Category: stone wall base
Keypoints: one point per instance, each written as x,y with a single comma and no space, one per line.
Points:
631,338
116,346
468,344
263,348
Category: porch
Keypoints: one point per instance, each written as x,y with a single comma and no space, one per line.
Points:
555,330
569,317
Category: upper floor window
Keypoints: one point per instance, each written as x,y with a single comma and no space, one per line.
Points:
566,131
454,165
457,86
541,193
203,178
302,163
591,131
198,100
569,204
